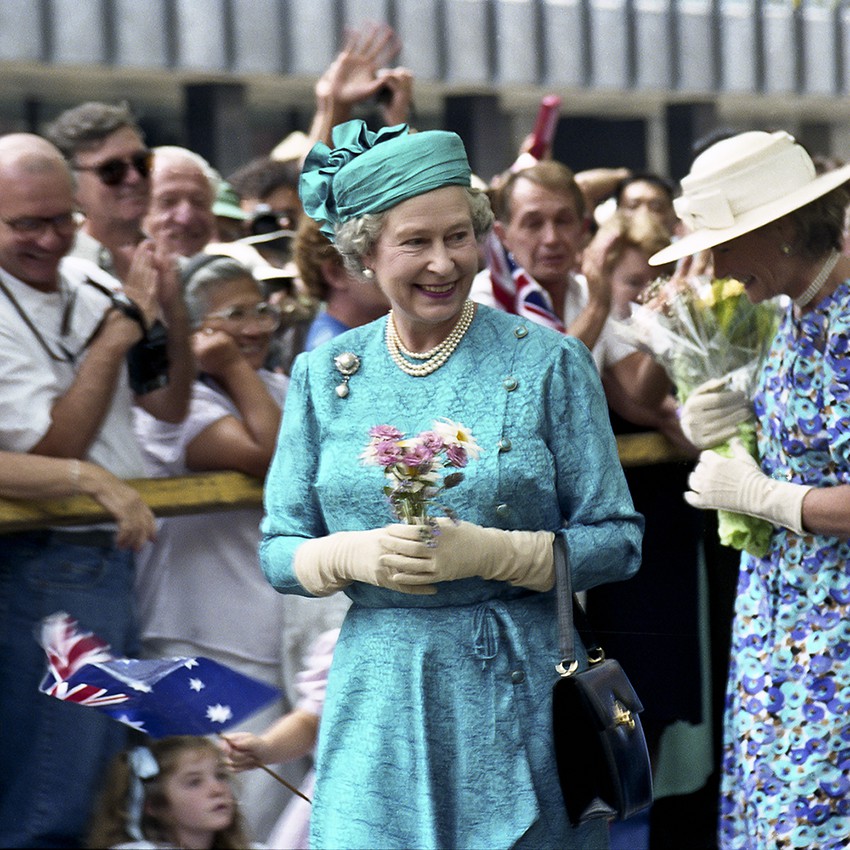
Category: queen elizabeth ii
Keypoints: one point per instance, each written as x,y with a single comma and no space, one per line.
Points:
436,730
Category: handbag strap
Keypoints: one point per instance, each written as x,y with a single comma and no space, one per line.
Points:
570,613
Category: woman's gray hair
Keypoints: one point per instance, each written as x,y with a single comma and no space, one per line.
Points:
356,238
202,275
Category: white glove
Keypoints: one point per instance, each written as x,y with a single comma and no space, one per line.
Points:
325,565
462,550
737,484
711,414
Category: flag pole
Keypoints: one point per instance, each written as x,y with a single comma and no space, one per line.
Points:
276,776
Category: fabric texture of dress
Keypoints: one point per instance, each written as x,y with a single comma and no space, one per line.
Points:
787,729
437,726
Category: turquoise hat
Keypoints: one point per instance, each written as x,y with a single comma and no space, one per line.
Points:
370,172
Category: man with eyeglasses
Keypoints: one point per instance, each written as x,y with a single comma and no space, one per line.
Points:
65,392
111,163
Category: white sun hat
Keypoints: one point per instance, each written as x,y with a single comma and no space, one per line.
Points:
742,183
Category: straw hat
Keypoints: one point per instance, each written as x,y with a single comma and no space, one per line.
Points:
742,183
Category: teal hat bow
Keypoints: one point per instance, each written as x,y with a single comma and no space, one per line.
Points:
368,172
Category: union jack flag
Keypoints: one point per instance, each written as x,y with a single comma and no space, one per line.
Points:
161,696
515,290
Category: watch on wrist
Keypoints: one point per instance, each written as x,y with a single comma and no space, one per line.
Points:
129,308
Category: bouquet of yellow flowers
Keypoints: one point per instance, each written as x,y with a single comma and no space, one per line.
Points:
700,329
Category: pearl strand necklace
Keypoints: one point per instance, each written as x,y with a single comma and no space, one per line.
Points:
808,294
435,357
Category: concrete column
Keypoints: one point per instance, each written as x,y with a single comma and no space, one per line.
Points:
485,130
217,125
687,123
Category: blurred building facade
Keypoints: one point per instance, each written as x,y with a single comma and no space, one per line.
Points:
641,80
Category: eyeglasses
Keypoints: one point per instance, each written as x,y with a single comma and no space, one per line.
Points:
266,315
113,172
35,226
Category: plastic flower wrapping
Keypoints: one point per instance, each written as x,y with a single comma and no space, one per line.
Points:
701,329
414,466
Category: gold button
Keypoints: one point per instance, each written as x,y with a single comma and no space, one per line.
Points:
505,445
521,331
510,383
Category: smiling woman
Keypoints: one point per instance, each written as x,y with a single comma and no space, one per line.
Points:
756,201
196,581
451,636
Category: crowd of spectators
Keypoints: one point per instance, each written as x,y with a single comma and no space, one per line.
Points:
150,313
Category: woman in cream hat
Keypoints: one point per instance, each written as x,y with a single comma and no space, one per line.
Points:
437,726
755,200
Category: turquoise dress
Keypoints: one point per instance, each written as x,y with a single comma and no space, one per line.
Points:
436,731
786,780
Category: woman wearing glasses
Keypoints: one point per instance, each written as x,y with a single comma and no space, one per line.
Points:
199,588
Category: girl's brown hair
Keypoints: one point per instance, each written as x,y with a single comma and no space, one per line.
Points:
111,821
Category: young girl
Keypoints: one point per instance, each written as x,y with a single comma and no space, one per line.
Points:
173,793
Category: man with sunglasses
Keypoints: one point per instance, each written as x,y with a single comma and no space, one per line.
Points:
65,392
111,164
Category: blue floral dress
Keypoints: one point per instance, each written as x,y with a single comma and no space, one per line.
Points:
787,728
436,731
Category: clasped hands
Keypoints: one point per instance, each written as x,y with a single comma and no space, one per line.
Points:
711,416
399,557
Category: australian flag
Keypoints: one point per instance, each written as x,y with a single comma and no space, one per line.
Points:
163,696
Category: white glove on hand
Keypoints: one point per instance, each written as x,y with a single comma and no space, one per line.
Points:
325,565
712,413
737,484
462,550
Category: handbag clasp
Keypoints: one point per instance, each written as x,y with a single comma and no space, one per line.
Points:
622,716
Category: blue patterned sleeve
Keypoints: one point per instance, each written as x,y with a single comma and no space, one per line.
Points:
603,532
836,403
292,513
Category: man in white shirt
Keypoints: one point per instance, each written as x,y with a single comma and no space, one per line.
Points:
64,392
111,163
541,221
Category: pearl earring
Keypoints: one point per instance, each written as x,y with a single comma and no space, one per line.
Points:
368,274
786,249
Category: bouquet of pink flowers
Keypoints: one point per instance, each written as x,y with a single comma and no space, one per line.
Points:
701,329
413,466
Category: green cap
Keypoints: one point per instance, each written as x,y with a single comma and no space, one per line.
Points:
226,203
370,172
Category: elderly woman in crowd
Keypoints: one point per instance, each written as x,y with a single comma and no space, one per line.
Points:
771,222
436,730
200,589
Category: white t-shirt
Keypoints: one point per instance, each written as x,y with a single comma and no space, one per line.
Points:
201,581
610,348
31,380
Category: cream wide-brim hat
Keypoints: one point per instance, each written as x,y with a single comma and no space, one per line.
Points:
742,183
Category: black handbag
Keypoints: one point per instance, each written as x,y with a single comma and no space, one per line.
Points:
600,749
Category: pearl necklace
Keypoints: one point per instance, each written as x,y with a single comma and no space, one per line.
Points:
435,357
815,286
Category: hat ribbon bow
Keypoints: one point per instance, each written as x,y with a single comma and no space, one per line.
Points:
708,210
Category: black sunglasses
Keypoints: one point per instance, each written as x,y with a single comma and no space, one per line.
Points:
114,171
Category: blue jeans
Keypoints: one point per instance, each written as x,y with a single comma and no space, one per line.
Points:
53,755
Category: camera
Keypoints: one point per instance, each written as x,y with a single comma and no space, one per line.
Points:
147,361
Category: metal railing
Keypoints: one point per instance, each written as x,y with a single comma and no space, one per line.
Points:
222,491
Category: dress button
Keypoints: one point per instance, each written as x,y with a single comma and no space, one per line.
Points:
505,445
517,677
521,331
510,383
502,510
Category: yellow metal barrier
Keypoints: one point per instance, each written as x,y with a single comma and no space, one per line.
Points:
221,491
